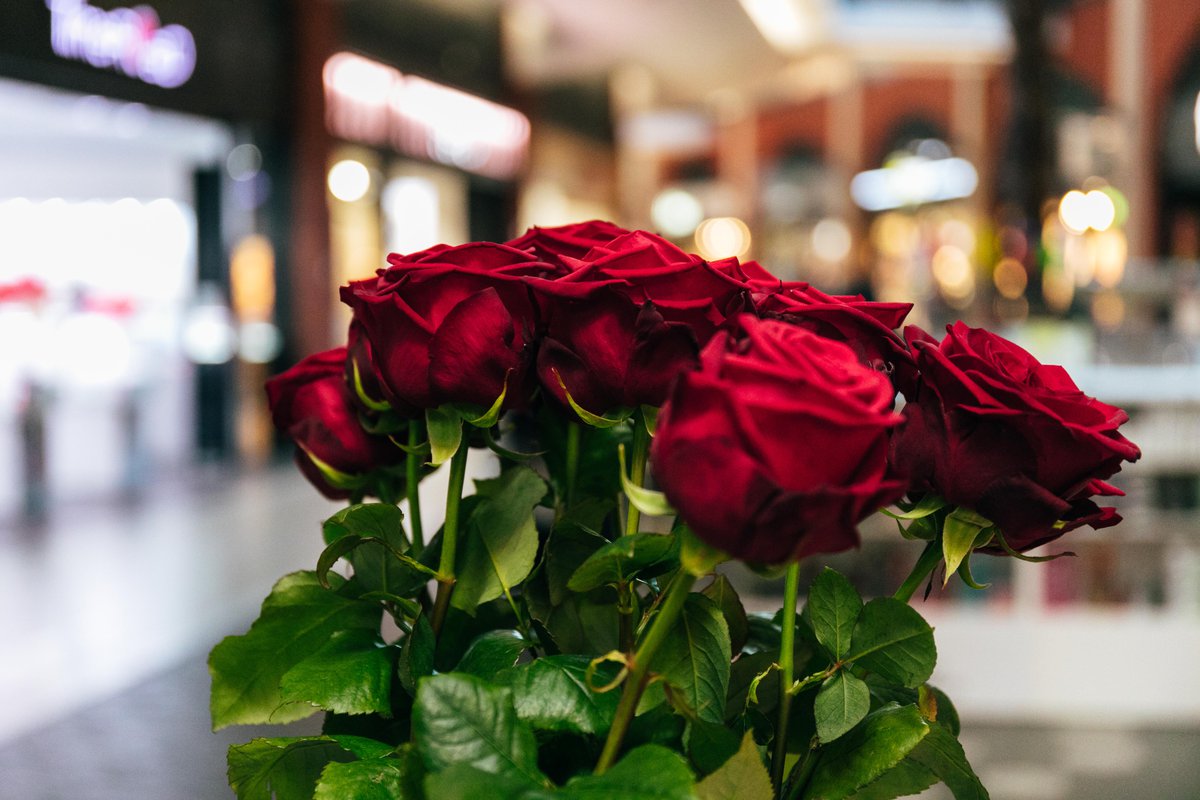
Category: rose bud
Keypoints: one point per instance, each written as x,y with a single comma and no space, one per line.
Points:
450,325
777,446
867,327
314,407
573,241
627,320
996,432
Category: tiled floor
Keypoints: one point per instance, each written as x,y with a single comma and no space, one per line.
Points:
106,616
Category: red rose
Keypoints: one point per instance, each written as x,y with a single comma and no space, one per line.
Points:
313,406
867,327
450,325
777,447
573,241
1012,439
630,316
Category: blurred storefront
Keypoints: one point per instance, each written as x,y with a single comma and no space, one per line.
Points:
418,147
137,152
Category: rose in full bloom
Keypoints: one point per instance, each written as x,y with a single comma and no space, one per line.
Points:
629,317
450,325
573,241
312,404
997,432
777,446
868,327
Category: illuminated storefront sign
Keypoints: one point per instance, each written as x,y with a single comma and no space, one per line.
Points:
373,103
127,40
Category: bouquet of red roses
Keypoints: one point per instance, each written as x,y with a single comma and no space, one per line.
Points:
544,642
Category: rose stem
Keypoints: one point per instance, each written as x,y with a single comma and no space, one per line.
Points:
412,473
787,646
920,571
637,469
458,473
639,666
574,432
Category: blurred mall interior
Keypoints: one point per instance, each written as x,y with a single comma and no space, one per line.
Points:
185,183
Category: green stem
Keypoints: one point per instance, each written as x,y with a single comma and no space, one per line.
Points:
929,559
802,772
639,669
412,475
626,605
637,468
458,474
787,646
574,433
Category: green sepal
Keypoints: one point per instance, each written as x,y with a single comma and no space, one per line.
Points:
1031,559
960,532
487,419
367,400
596,421
512,455
697,557
927,505
337,479
444,425
421,449
650,419
964,572
644,500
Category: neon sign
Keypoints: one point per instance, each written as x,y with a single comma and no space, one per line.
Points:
127,40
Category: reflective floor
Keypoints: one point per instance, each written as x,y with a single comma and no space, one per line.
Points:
107,613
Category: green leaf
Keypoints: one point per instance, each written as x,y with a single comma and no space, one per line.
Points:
373,779
959,532
285,768
644,500
868,751
627,557
371,537
649,772
841,704
297,619
906,778
893,641
552,694
947,714
833,609
742,777
941,754
694,658
576,623
492,652
742,674
501,544
350,674
709,745
460,719
722,593
445,434
928,504
465,782
416,654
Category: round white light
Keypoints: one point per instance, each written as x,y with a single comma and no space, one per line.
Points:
349,180
676,212
722,237
259,342
1101,210
1075,211
831,239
